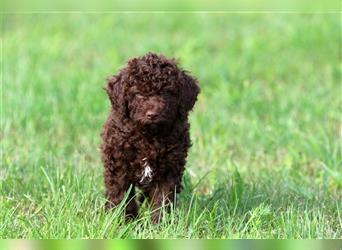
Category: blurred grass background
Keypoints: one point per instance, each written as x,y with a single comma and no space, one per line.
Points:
266,131
176,5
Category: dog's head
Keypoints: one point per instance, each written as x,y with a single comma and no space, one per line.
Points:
152,90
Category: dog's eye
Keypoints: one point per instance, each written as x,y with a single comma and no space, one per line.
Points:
168,93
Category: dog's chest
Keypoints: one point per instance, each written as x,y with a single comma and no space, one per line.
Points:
149,163
146,175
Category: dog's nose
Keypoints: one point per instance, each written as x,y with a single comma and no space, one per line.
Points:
151,114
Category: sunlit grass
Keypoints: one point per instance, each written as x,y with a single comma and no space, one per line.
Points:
266,155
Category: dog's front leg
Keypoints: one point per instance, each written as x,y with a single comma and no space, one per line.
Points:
116,188
162,197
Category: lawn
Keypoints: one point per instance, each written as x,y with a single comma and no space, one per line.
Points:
266,157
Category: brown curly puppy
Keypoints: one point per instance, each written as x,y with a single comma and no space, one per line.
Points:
146,136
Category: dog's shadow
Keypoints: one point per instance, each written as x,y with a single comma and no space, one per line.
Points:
233,197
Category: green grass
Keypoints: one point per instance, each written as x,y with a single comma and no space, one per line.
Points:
266,131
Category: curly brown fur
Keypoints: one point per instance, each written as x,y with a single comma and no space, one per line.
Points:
147,129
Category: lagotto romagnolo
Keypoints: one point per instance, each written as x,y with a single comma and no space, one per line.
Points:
146,136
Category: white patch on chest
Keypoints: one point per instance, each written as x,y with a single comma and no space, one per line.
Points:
147,172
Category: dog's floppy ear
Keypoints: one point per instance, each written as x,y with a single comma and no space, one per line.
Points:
116,93
188,93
